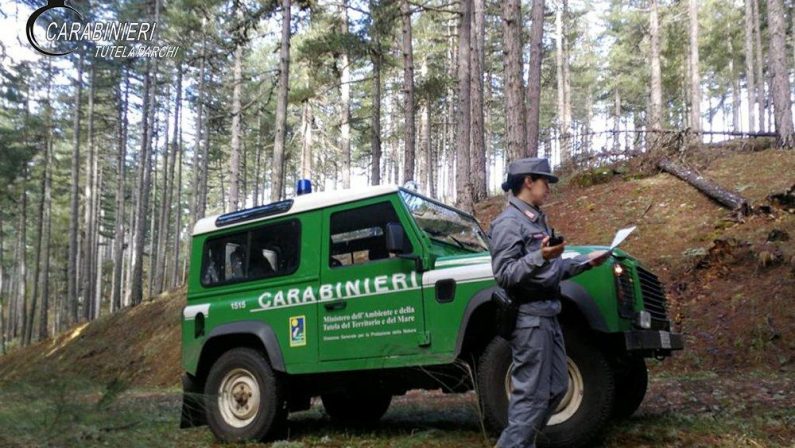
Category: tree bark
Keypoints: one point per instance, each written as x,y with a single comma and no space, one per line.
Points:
695,75
168,187
655,118
730,199
2,293
749,64
175,279
561,63
306,147
463,115
375,120
118,241
735,80
199,167
88,209
478,145
516,134
233,202
141,197
409,135
74,198
345,102
22,260
760,78
277,187
534,78
777,58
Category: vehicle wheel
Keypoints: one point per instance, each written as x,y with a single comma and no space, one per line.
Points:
356,407
632,379
244,397
583,411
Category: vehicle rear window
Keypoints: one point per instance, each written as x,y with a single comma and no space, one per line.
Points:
269,251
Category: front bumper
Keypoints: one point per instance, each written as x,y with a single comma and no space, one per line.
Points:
656,342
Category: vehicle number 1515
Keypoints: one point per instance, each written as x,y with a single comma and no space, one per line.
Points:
238,304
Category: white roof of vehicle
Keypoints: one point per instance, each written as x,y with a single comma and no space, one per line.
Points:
306,202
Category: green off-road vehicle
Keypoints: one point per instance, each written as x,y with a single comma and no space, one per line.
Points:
360,295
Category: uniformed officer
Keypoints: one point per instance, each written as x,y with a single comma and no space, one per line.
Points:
531,270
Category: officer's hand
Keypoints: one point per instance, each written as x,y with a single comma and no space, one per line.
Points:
598,257
550,252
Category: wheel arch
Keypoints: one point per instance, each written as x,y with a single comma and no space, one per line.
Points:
248,333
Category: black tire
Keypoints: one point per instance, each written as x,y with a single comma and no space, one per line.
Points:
238,372
360,407
586,419
632,380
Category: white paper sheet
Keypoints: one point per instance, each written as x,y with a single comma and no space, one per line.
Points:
621,235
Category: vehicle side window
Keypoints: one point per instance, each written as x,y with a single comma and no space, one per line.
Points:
269,251
359,235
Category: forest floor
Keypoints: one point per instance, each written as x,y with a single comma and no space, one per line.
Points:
730,284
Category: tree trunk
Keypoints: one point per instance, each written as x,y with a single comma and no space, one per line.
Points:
2,293
735,80
199,167
277,187
175,279
141,197
777,58
375,120
74,197
478,145
306,147
727,198
655,119
409,133
233,202
534,78
168,187
516,135
561,63
118,241
88,209
616,120
760,78
345,102
463,121
695,75
22,260
749,64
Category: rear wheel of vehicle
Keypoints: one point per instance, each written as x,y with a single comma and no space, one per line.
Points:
244,397
584,409
632,380
356,407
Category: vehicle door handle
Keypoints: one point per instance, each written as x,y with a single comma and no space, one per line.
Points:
334,306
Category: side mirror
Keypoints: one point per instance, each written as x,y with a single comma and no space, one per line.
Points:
395,238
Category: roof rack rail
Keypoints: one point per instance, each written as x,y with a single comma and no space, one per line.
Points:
261,211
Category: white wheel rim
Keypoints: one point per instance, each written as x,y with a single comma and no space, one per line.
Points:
571,401
239,398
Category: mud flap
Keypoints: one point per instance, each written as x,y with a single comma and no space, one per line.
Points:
192,403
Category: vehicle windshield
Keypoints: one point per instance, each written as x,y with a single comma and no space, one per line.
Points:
453,230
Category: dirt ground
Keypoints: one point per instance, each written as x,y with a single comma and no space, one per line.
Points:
754,409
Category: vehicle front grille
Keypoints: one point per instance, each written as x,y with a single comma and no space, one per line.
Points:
653,294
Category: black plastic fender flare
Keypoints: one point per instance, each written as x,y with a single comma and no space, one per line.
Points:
261,330
571,292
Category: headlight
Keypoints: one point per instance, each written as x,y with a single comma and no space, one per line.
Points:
644,319
618,269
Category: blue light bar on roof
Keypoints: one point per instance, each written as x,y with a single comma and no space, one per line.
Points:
303,186
261,211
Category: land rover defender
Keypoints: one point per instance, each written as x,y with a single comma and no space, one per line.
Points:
356,296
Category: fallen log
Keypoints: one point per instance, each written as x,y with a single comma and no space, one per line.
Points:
727,198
